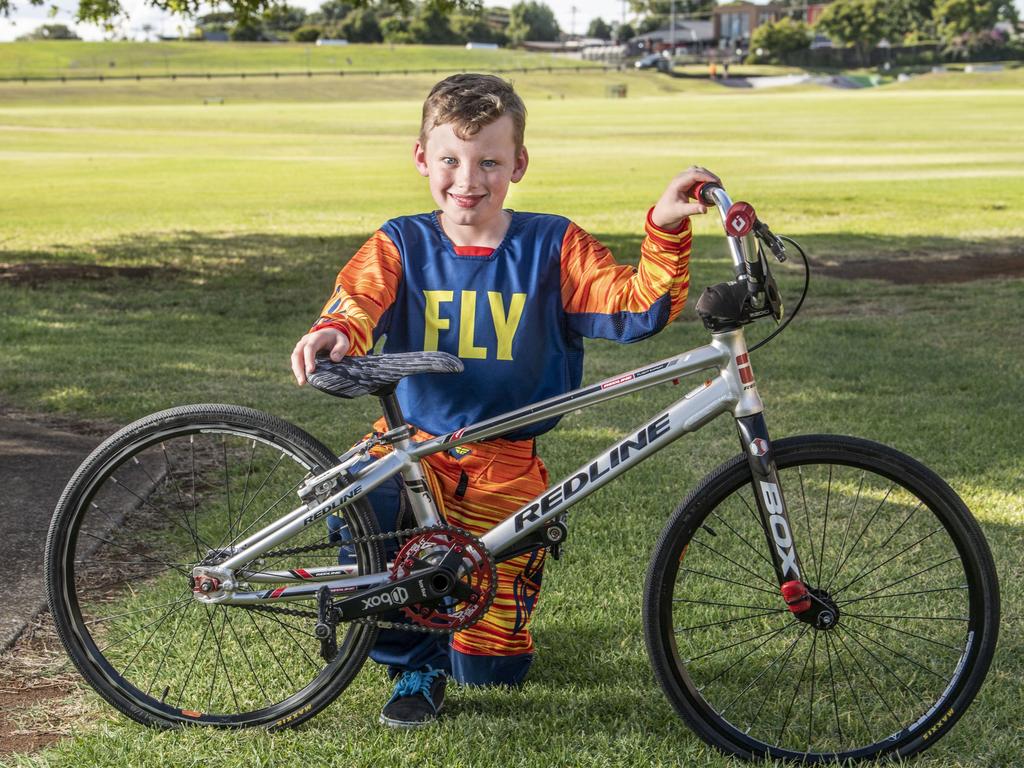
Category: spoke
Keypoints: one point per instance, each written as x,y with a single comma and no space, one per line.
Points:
192,533
220,656
773,633
871,682
289,629
248,474
143,628
908,633
869,568
181,500
256,494
807,517
824,528
872,569
846,533
270,648
723,605
248,661
680,630
814,661
903,656
213,679
227,495
792,700
137,610
195,658
165,565
905,578
772,592
888,669
751,684
849,684
903,594
740,642
724,557
192,453
163,515
738,535
835,693
145,643
853,547
788,653
267,511
168,646
891,616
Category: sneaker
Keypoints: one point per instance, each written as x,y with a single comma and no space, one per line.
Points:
417,699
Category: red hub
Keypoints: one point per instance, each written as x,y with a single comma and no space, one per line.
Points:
478,577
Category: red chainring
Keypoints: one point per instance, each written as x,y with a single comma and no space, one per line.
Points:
480,575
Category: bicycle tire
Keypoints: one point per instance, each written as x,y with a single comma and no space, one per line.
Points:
725,659
139,512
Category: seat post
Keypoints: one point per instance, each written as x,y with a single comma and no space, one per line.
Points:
392,410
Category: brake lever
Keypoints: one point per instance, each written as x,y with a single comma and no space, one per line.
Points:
770,239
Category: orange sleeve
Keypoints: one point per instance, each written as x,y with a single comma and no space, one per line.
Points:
364,290
594,284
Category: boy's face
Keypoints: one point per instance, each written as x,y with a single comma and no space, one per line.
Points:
469,178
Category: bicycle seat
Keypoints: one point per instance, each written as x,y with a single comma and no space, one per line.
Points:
377,374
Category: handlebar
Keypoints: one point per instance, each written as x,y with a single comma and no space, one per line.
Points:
741,227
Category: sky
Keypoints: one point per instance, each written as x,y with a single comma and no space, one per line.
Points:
28,17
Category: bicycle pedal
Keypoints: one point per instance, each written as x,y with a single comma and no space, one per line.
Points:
326,629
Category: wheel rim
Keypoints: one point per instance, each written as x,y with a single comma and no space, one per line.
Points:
152,511
881,674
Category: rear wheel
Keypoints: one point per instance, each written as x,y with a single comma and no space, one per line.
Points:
887,544
142,510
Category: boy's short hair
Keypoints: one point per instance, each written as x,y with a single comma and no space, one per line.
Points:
471,101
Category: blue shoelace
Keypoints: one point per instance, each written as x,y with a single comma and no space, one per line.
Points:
411,683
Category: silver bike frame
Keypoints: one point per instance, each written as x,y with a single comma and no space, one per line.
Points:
732,390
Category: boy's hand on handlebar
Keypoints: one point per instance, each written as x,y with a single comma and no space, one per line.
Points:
304,354
676,204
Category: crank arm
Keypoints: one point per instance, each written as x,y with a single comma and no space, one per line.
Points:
428,585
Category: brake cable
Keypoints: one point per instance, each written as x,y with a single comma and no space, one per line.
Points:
803,295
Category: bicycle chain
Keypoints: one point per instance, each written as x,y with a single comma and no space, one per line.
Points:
374,537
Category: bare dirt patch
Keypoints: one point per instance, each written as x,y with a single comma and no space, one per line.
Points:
39,700
39,273
922,271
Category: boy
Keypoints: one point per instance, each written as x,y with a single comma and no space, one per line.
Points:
512,294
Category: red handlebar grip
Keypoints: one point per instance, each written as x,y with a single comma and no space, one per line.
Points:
697,190
740,219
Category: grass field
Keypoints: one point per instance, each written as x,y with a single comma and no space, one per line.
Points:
240,214
79,59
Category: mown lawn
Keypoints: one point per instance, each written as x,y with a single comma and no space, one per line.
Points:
245,212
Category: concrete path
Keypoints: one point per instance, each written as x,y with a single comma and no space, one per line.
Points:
36,462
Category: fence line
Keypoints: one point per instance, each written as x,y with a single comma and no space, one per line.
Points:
306,73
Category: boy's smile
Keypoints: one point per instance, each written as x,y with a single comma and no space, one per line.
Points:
469,178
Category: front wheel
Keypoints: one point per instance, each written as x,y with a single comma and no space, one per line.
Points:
160,496
884,541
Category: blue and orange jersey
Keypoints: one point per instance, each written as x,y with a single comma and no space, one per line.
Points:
516,315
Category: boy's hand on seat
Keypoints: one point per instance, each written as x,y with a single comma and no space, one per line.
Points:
304,354
675,204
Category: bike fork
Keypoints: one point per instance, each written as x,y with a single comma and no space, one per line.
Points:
771,504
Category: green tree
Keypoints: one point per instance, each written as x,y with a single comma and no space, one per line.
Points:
780,38
249,31
284,18
860,23
473,27
360,26
531,21
910,20
599,28
395,29
960,17
104,11
430,26
308,33
624,33
331,13
51,32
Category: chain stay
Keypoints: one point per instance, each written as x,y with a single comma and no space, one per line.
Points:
375,537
